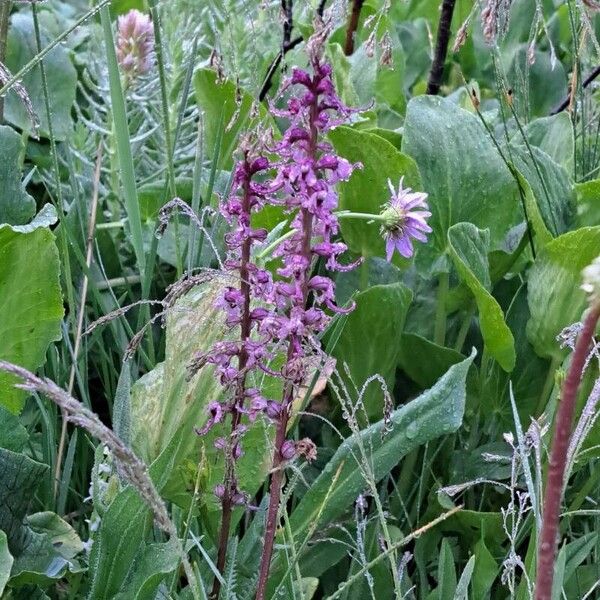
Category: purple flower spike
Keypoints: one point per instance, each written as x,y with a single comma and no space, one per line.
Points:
403,221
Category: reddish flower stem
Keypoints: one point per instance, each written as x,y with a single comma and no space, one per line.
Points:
238,401
280,435
558,459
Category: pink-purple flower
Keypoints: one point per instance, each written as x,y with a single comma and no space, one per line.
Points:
404,218
135,43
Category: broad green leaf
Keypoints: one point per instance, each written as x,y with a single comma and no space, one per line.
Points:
16,205
461,170
553,135
163,399
6,561
534,212
112,556
462,588
550,185
30,294
576,552
20,477
367,191
369,343
434,413
554,287
424,361
122,406
469,247
542,85
485,571
530,372
446,573
155,562
226,112
588,203
43,545
60,73
13,436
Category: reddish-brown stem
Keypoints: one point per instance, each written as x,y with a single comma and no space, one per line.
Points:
238,401
558,459
280,435
352,26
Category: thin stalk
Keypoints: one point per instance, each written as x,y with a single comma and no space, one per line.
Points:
164,100
121,130
18,76
353,20
439,335
238,401
441,47
60,210
558,458
5,6
196,195
393,548
548,385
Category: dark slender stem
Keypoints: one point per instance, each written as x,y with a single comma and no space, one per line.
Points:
441,47
287,45
352,26
593,75
558,459
268,82
280,436
238,401
4,18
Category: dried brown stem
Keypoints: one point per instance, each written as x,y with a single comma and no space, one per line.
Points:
82,300
558,458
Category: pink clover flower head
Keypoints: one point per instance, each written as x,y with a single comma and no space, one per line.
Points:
404,219
135,43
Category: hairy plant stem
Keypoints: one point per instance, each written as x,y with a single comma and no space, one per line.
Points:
441,47
558,458
5,6
237,403
353,20
280,435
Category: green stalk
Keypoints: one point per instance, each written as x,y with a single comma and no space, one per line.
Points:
18,76
164,100
5,6
62,230
440,314
121,129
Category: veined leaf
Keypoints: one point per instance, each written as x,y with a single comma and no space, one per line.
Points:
468,248
30,301
554,288
367,190
370,341
436,412
461,170
16,205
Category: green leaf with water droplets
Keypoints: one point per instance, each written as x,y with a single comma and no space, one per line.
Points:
555,297
436,412
31,302
469,249
461,170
